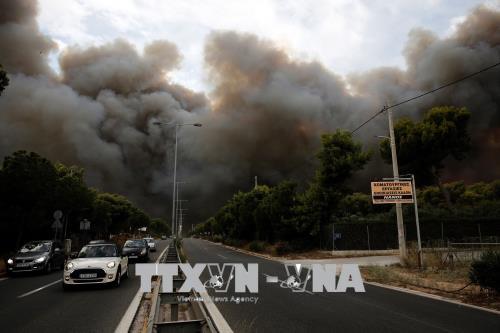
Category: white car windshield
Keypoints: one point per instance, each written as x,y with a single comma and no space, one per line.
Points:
98,251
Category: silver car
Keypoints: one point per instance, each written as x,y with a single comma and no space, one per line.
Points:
151,243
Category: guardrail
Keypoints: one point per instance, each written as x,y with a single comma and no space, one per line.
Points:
198,316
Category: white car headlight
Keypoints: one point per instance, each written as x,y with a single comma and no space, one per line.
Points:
41,259
143,251
111,264
69,266
10,261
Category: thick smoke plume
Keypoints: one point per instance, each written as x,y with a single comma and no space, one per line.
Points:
263,117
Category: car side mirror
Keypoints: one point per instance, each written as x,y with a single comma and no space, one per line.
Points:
73,255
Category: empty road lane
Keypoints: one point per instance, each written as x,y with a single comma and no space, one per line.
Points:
377,310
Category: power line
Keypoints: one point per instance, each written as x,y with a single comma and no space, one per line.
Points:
385,108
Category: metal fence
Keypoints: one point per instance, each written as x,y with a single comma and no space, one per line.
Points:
384,235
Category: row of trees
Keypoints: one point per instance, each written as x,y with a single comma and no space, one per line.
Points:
281,212
32,188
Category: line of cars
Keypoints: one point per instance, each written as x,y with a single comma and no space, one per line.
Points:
98,262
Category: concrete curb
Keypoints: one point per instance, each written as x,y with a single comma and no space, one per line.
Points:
436,297
215,315
128,317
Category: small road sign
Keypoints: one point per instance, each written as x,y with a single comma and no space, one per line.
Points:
392,192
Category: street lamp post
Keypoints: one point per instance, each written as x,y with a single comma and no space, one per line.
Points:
411,177
176,126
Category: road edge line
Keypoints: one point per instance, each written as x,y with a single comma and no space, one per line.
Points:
129,315
427,295
277,259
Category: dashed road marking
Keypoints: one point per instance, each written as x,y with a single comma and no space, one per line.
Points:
39,289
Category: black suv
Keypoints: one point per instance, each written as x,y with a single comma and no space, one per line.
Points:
43,255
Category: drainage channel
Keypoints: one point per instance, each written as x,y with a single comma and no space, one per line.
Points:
173,312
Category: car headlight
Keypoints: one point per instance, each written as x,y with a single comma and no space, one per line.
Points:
111,264
10,262
69,266
143,251
39,260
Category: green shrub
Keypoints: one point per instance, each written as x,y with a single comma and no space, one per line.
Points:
233,242
256,246
486,271
217,239
282,248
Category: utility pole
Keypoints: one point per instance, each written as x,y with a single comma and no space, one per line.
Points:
256,184
395,171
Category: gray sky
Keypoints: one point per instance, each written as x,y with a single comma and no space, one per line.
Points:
346,36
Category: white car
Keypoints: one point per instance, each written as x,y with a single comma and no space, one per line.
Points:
96,264
151,243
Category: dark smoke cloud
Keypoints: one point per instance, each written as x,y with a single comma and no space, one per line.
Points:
263,117
24,49
118,67
432,62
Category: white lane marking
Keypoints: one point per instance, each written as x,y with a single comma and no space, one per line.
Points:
3,279
220,255
38,289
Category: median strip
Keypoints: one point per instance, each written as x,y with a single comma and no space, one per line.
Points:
39,289
129,315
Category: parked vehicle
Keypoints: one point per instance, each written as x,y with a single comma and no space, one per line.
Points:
136,250
151,243
163,237
100,263
98,241
44,255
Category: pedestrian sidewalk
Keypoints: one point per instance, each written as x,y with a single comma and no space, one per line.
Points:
361,261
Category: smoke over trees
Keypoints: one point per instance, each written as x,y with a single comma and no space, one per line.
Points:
263,117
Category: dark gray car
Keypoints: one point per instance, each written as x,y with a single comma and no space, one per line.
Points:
44,255
136,250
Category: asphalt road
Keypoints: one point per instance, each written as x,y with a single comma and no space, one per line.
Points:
25,308
377,310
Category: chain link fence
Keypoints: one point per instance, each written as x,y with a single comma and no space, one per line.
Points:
384,235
